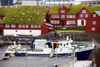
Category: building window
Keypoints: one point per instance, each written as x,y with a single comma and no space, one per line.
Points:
39,26
58,22
35,26
13,26
83,11
32,26
73,22
57,16
23,26
93,28
3,18
1,25
94,22
70,22
67,23
62,16
81,15
94,15
67,16
0,18
73,16
86,15
54,22
51,21
51,16
7,25
54,16
62,11
27,26
19,26
44,20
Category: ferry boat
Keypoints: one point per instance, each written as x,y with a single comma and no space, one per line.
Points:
59,48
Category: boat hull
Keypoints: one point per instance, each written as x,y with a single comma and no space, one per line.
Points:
82,55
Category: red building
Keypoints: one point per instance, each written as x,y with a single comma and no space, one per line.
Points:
24,29
93,23
82,15
62,18
2,17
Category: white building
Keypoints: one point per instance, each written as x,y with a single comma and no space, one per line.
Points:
59,2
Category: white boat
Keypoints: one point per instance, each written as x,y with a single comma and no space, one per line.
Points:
44,47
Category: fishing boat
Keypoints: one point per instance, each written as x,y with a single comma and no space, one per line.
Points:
48,48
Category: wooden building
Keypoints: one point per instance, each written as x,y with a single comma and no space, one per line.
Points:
93,23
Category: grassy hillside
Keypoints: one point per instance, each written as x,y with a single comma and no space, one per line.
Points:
36,12
74,9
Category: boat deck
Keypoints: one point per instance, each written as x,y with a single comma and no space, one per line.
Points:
32,61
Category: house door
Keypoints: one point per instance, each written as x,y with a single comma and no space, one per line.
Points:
0,32
82,22
62,22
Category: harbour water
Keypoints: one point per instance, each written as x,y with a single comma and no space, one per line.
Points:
95,57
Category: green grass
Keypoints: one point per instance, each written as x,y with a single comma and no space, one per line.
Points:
32,11
19,0
67,31
74,9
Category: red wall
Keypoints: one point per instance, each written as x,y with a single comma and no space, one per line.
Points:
80,12
89,24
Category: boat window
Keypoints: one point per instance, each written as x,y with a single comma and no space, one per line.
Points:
66,43
60,44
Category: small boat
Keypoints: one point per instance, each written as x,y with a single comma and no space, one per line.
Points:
59,48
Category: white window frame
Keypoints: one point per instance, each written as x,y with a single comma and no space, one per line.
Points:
73,22
68,16
51,21
68,22
35,26
29,18
83,11
19,26
62,16
27,26
62,11
93,28
94,22
39,26
57,16
7,26
58,22
73,16
13,25
86,15
94,15
1,25
52,16
44,20
32,26
81,15
21,18
23,26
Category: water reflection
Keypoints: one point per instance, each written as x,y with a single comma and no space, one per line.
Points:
95,57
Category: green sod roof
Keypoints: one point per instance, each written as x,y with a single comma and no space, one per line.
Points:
36,12
74,9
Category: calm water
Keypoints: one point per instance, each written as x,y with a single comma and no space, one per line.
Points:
95,57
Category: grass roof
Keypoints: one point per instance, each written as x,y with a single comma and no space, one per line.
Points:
74,9
36,12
